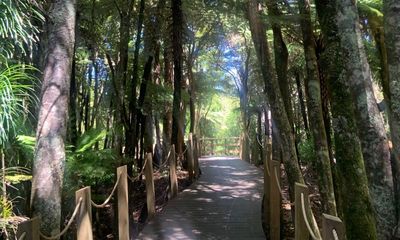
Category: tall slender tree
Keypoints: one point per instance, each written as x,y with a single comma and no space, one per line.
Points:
315,111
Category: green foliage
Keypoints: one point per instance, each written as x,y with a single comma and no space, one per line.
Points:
89,139
307,151
89,166
16,28
12,96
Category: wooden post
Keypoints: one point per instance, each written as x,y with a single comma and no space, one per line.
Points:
267,186
84,217
196,156
173,180
329,225
123,205
30,229
275,200
190,157
212,147
148,172
225,147
301,231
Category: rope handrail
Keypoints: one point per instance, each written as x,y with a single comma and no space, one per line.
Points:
22,237
141,172
77,207
104,204
279,187
335,234
303,208
259,142
166,161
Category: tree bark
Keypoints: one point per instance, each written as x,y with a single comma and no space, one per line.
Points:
315,112
369,121
354,194
301,99
49,159
177,108
392,37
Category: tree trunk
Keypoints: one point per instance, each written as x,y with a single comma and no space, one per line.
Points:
369,121
177,28
49,161
392,36
358,215
301,100
131,134
315,112
281,58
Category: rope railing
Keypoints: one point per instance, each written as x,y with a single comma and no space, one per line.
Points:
279,187
335,234
104,204
303,208
77,207
22,237
140,173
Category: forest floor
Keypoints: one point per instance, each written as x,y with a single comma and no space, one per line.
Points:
287,223
104,220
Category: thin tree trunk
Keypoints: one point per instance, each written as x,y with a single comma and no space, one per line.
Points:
49,160
131,134
301,100
315,112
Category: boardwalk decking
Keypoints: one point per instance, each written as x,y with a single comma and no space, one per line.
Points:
225,203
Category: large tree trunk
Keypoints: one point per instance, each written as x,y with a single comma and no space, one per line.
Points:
392,35
370,123
177,109
49,161
281,58
354,194
315,112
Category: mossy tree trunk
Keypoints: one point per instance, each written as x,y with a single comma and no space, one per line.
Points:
392,37
357,209
370,124
49,158
315,112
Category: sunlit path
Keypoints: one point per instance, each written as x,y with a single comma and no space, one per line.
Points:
224,203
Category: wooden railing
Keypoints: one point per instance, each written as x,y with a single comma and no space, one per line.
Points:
82,215
220,146
305,226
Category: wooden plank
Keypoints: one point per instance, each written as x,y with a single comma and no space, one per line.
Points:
331,224
84,217
173,180
123,204
150,194
275,200
29,229
301,231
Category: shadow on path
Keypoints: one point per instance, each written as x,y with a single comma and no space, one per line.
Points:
225,203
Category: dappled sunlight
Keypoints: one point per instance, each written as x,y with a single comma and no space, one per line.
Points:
224,201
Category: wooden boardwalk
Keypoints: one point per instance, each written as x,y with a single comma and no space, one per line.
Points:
225,203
